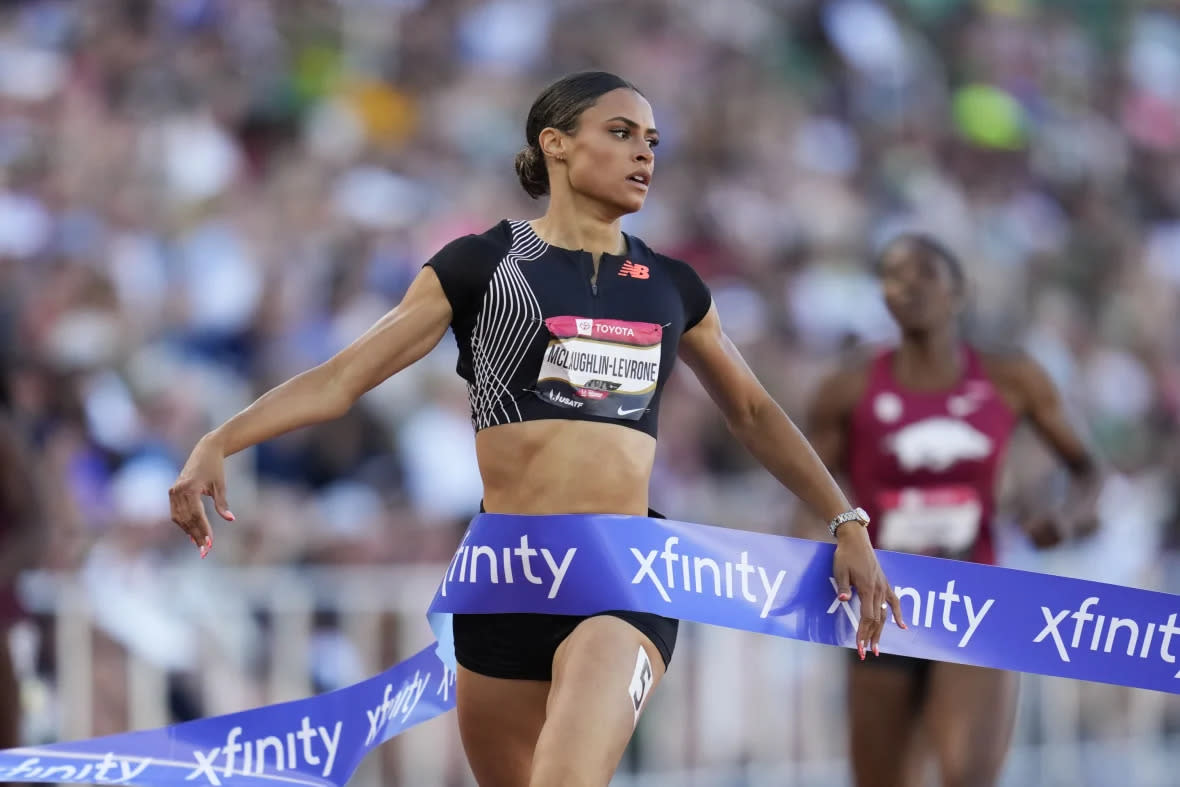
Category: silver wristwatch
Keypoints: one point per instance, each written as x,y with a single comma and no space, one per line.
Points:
857,514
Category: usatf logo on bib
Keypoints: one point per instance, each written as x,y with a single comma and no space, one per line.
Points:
608,368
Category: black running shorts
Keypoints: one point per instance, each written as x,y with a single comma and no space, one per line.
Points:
521,646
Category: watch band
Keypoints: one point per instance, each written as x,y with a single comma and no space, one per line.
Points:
857,514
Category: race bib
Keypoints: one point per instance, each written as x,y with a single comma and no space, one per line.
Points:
606,368
940,520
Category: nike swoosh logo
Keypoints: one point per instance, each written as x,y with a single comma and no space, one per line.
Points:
628,412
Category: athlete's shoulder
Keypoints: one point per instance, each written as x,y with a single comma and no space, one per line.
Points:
846,383
488,246
858,360
466,265
1018,374
1005,363
639,250
694,292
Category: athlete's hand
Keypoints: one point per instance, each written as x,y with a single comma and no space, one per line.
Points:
203,474
855,565
1049,530
1045,531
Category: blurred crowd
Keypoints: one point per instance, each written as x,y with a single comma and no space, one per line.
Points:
201,198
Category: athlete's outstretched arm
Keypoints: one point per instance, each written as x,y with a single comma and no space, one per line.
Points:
1043,407
761,425
398,339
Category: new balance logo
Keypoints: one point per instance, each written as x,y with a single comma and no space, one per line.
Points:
634,271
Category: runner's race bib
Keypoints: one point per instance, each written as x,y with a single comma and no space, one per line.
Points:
933,520
605,368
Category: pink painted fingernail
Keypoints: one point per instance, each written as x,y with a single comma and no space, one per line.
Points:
209,541
876,651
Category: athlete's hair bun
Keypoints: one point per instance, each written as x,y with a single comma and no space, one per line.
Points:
530,168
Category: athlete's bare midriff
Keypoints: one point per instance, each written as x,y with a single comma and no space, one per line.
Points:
565,467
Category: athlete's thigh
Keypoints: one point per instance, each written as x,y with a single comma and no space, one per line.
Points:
885,696
603,675
499,722
970,715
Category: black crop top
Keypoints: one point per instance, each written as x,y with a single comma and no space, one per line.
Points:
537,340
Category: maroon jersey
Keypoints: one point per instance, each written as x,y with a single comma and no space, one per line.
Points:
924,464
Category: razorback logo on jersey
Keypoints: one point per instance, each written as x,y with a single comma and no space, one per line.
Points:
937,444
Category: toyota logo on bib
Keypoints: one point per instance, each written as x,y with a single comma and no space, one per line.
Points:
585,326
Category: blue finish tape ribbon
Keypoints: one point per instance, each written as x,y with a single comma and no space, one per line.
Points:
582,564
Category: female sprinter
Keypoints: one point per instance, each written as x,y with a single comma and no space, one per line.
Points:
920,431
542,699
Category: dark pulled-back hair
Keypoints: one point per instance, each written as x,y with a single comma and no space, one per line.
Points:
930,245
559,106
